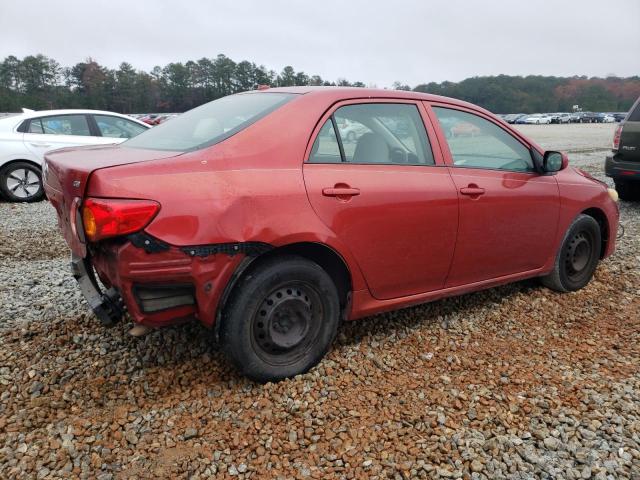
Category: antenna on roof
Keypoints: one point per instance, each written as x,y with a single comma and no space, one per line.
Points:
27,110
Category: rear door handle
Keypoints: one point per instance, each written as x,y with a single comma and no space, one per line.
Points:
472,190
38,144
340,192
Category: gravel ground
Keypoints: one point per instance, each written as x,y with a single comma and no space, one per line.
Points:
513,382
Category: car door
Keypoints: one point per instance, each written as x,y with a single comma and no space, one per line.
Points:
58,131
508,212
372,177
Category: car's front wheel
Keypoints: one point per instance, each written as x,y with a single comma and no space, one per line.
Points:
578,256
21,182
280,319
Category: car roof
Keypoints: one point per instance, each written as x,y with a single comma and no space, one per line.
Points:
346,93
40,113
12,121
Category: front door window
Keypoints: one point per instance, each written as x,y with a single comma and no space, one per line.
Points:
478,143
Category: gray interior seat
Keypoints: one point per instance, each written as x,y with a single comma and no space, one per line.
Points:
371,148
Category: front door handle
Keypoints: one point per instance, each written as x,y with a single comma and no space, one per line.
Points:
472,190
340,192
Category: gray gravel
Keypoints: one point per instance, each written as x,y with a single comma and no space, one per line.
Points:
514,382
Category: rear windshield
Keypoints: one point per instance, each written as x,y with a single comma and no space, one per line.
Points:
210,123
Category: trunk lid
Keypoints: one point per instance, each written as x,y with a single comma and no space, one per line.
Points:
66,174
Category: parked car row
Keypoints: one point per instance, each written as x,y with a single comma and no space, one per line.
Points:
562,117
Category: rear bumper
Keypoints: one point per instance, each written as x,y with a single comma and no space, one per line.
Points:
621,170
157,288
107,305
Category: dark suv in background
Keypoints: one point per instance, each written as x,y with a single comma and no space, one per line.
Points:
623,165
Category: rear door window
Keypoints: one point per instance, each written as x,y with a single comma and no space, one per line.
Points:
61,125
35,126
376,133
326,148
383,133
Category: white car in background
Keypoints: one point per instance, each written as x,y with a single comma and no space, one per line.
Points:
26,137
560,117
538,118
350,131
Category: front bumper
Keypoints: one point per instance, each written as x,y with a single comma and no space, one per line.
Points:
157,287
621,170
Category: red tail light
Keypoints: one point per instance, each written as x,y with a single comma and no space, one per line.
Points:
107,217
616,137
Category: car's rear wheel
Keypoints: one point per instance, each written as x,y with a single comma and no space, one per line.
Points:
628,191
280,319
21,182
578,256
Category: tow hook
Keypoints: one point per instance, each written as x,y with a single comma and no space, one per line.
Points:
621,231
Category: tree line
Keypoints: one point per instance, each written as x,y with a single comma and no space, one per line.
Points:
40,82
535,93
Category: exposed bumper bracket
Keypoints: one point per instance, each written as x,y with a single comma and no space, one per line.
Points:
247,248
108,306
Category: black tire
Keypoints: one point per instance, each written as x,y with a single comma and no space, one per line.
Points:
281,319
578,256
628,191
21,182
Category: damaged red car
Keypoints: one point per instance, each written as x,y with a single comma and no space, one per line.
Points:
259,216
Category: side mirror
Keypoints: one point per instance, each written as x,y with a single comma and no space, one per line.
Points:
554,161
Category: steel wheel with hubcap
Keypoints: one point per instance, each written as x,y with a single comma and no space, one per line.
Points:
21,182
578,254
281,319
578,257
287,323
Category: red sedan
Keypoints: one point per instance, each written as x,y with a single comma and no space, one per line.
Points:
255,216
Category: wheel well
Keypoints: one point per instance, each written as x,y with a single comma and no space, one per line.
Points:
328,259
601,218
37,165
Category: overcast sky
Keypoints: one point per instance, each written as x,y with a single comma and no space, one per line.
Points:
372,41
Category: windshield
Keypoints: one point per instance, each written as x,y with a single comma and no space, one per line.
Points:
210,123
